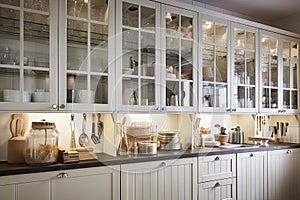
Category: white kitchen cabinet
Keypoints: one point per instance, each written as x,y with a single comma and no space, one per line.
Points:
252,176
7,192
87,183
168,179
283,174
224,189
215,43
280,73
216,167
155,57
244,69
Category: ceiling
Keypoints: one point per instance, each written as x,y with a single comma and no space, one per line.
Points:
265,10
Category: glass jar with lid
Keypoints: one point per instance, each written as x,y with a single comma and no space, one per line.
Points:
42,144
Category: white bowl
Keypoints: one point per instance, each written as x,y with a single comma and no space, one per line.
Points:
84,96
40,97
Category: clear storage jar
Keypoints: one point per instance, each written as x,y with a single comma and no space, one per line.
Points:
42,144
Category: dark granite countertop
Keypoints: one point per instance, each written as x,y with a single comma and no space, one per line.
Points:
104,159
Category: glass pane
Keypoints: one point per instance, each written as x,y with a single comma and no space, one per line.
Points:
274,98
99,10
250,40
147,54
99,84
265,70
130,15
221,96
239,66
265,43
36,39
148,18
239,38
9,36
99,48
241,97
286,99
130,91
9,84
172,58
11,2
186,59
130,46
78,8
294,50
295,75
294,100
172,93
274,71
147,92
221,64
208,63
286,49
273,46
186,94
187,26
36,83
265,98
250,68
208,95
286,73
221,34
172,24
208,31
42,5
81,92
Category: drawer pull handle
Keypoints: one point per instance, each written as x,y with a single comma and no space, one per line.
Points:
62,175
288,151
218,184
251,155
217,158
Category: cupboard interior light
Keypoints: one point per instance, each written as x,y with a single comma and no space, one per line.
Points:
207,25
86,1
263,39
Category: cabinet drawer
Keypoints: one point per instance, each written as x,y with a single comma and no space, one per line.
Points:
219,189
216,167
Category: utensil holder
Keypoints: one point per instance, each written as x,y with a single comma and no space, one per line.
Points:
16,150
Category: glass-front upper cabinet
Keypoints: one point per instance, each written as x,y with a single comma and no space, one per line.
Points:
178,69
87,52
279,71
28,56
244,87
215,72
137,81
290,75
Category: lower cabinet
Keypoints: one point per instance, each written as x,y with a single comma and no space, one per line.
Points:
216,177
252,176
77,184
216,190
283,174
159,180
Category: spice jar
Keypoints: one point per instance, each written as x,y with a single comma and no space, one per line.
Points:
42,144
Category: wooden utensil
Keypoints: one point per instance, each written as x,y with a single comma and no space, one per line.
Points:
24,118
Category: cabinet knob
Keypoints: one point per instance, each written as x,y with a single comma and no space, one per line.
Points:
288,151
217,158
164,108
218,184
163,165
233,110
251,155
62,106
54,106
62,175
228,110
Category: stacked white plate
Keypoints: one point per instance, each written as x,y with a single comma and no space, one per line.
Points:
15,96
40,97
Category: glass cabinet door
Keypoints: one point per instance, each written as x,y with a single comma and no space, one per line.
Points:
269,70
178,63
244,69
137,56
25,49
86,78
214,38
290,74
